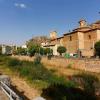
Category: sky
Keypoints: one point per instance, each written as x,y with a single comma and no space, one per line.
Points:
20,20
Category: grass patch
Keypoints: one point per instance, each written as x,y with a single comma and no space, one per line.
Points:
33,72
41,78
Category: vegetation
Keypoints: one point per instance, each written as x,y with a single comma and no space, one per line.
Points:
42,51
61,49
37,40
64,92
36,49
97,48
86,87
34,72
33,49
21,51
37,60
0,50
13,62
48,51
88,82
45,51
54,87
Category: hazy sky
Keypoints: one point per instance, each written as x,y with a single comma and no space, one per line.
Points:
22,19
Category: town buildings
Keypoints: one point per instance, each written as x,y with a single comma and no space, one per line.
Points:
80,40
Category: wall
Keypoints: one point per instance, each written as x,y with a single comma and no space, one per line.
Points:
98,35
91,65
71,45
80,40
89,42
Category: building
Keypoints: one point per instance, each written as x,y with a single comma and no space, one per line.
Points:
80,40
24,46
6,49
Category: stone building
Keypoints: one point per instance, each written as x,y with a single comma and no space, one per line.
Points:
80,40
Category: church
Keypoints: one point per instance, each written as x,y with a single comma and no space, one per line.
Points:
80,40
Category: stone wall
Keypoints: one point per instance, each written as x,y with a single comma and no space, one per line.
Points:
91,65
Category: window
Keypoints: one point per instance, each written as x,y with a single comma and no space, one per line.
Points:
70,38
89,37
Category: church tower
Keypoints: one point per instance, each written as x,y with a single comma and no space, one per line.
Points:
82,23
53,35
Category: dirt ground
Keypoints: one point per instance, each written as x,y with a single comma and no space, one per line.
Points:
24,88
20,85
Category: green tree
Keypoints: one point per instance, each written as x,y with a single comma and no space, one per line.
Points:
48,51
61,49
42,52
0,50
97,48
21,51
33,49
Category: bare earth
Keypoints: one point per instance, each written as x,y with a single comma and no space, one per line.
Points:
3,95
22,86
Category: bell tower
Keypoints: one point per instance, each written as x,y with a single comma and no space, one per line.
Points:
53,35
82,23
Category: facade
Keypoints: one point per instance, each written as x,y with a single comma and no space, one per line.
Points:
24,46
80,40
6,49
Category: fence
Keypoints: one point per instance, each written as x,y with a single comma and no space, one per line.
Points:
10,93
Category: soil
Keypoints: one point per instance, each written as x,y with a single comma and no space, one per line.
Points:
23,89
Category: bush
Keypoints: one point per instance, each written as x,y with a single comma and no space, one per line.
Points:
24,71
61,49
42,51
97,48
32,50
48,51
21,51
63,92
13,62
87,82
37,60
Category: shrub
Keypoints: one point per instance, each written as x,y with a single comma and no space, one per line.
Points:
42,51
33,49
48,51
37,60
87,82
63,92
21,51
97,48
61,49
13,62
69,66
24,71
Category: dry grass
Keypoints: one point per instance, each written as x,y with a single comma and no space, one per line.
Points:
20,83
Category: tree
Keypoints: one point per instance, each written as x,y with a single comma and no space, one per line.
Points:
21,51
0,50
37,40
42,52
48,51
61,49
97,48
33,49
45,51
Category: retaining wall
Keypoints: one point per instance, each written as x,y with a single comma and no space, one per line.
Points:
92,65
